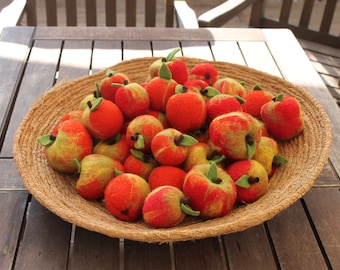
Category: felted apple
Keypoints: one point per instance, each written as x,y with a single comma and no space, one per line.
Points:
223,103
141,130
95,172
75,115
103,119
251,179
140,163
71,141
170,146
108,86
199,87
166,207
255,100
230,86
283,117
116,147
177,67
160,116
236,135
124,196
160,88
204,71
186,111
210,189
268,155
166,176
132,99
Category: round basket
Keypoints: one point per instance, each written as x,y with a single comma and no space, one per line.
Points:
306,154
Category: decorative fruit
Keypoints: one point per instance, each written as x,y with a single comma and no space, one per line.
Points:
204,71
251,180
71,141
282,117
167,176
230,86
210,189
236,135
140,163
124,196
108,86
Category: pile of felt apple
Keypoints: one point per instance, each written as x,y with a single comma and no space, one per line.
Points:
185,142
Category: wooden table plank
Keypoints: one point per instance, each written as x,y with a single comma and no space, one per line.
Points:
43,59
227,51
106,54
294,241
17,41
10,179
199,255
249,249
45,242
197,49
162,48
322,206
91,250
327,178
12,209
154,256
316,87
139,49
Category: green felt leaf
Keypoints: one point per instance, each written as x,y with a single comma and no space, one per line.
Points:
45,140
243,181
110,73
188,140
212,172
279,97
179,89
280,160
210,92
97,93
139,144
241,100
78,165
96,103
188,210
172,54
257,87
117,172
164,72
251,149
137,154
217,158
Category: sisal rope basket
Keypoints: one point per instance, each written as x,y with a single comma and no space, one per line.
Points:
307,155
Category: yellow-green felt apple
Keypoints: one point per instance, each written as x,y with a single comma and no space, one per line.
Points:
95,172
70,141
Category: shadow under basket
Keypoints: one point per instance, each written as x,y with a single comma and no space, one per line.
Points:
306,154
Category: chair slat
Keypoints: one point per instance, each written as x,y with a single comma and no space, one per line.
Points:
328,15
150,13
306,13
51,12
285,11
31,12
71,12
110,12
169,15
130,12
91,12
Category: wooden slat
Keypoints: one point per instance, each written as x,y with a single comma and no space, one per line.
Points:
106,54
130,12
291,234
10,179
51,12
197,49
89,248
43,60
328,15
163,48
136,49
285,11
71,12
50,249
306,13
249,249
227,51
154,256
12,208
31,13
327,178
18,40
111,12
199,255
321,204
91,12
150,13
169,15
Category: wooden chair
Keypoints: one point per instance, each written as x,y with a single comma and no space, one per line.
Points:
30,11
321,45
259,17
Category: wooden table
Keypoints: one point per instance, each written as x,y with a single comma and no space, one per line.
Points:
304,236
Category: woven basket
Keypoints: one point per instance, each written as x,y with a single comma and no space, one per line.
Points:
307,155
